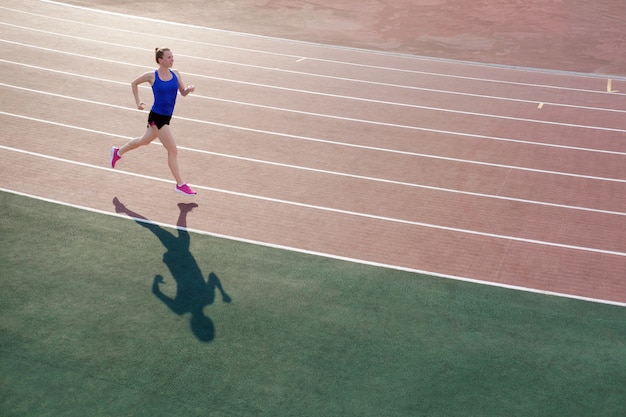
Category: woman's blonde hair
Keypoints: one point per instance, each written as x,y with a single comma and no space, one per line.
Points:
159,53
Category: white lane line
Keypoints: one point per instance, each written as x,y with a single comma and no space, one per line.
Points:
324,254
328,172
333,210
400,104
429,108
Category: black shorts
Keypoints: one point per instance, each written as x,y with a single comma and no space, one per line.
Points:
158,120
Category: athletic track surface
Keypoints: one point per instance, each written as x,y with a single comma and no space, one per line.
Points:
502,175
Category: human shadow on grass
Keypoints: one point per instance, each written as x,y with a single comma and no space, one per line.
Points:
193,293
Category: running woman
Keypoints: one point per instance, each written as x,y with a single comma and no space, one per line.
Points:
166,83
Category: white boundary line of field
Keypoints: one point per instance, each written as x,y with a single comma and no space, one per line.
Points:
326,255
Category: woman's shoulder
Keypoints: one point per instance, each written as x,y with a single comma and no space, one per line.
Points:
146,77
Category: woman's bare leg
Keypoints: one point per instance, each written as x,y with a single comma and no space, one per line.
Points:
167,139
150,135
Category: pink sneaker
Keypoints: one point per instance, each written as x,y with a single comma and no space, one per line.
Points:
114,156
185,189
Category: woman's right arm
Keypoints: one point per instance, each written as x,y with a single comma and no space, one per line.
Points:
148,77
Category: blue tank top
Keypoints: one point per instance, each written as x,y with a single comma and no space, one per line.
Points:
164,94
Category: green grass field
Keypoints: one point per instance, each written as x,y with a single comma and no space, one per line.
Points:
86,330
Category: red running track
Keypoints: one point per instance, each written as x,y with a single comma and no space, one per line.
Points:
502,175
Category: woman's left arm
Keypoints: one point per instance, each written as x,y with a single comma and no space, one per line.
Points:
181,87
